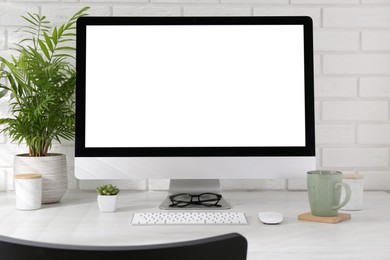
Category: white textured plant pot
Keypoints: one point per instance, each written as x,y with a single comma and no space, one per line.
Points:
107,203
53,170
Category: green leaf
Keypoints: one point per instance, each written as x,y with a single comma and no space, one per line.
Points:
69,34
30,21
66,48
54,35
48,42
32,30
44,49
3,93
79,13
66,40
61,30
34,18
64,55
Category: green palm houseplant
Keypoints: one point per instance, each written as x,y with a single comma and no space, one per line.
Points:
39,84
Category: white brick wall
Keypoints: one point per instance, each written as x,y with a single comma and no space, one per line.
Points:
10,13
146,10
355,157
336,134
376,40
372,63
375,87
352,77
217,11
356,17
335,87
2,38
374,134
355,110
336,40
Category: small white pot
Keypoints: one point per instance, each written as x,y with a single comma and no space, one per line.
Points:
107,203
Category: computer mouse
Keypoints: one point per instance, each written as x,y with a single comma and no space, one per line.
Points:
270,217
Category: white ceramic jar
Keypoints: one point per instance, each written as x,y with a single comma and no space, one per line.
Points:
28,191
355,182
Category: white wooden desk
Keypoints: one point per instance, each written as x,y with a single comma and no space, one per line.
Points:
77,220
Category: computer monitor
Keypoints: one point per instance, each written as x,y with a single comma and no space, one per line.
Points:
194,98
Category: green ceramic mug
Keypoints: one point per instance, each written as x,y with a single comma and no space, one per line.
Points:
324,190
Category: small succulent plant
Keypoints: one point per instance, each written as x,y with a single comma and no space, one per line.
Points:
107,190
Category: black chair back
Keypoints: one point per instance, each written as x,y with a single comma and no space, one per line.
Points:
230,246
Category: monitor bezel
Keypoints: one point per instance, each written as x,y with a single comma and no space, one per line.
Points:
82,151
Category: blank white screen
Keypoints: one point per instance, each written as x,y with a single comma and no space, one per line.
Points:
195,86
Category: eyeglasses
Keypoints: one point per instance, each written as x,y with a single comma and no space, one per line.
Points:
204,199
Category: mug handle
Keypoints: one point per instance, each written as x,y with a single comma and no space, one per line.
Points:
347,194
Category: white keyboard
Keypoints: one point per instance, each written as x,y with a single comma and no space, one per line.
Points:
189,218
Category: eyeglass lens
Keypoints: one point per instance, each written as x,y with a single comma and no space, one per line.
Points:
184,199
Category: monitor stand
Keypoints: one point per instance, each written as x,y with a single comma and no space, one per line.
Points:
194,186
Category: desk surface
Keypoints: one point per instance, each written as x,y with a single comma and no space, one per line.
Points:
77,220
